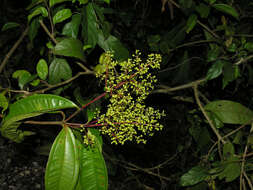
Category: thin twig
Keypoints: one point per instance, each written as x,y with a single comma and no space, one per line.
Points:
243,60
47,31
248,180
9,54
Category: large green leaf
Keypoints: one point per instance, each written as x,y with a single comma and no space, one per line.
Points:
31,106
54,2
227,9
71,29
194,176
62,15
230,112
63,164
93,172
70,47
59,70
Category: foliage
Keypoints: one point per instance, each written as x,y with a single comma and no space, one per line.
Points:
204,45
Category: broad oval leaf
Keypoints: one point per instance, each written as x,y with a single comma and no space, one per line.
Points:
62,15
42,69
230,112
70,47
59,70
71,29
93,172
227,9
194,176
63,163
9,25
40,10
54,2
215,70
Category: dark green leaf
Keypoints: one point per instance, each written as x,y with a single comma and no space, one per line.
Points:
42,69
228,74
249,46
203,10
59,70
232,169
54,2
215,70
191,22
9,25
230,112
34,3
227,9
62,15
33,29
63,163
70,47
213,53
40,10
194,176
71,29
228,149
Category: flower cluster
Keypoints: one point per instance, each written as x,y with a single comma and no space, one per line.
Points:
129,83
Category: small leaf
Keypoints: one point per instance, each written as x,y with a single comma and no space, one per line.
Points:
227,9
54,2
249,46
213,54
59,70
35,82
230,112
3,102
42,69
40,10
34,3
71,29
191,22
62,15
63,163
23,77
70,47
194,176
203,10
215,70
228,149
9,25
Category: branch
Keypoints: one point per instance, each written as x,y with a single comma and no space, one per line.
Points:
47,31
9,54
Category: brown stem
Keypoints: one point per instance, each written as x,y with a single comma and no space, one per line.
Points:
47,31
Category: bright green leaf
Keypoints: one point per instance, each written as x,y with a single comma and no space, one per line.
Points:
107,1
40,10
63,163
62,15
23,77
194,176
71,29
54,2
230,112
227,9
3,102
215,70
59,70
83,2
191,22
70,47
35,82
9,25
42,69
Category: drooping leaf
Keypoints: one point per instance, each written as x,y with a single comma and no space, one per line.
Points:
230,112
71,29
194,176
63,163
215,70
9,25
93,172
42,69
70,47
191,22
54,2
59,70
38,11
62,15
225,8
31,106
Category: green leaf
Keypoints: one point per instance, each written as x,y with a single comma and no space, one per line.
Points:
107,1
227,9
54,2
229,74
39,11
215,70
191,22
31,106
228,149
3,102
231,170
9,25
213,54
59,70
230,112
23,77
194,176
42,69
90,26
114,45
93,172
70,47
203,10
34,3
62,15
71,29
35,82
33,29
249,46
63,163
83,2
